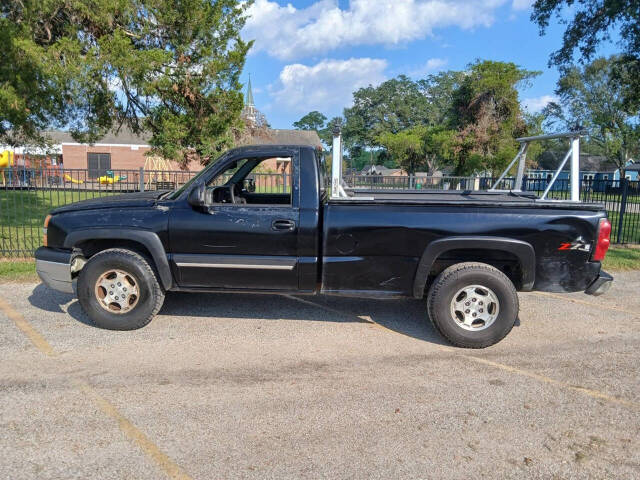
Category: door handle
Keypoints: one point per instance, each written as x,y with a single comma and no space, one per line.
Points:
283,225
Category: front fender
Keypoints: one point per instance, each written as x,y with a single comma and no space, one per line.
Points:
150,240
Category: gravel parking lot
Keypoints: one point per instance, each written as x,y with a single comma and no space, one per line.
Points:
239,386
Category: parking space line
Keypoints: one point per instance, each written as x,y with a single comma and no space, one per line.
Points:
543,378
584,302
25,327
518,371
170,468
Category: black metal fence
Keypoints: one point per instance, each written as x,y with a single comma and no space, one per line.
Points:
621,198
27,195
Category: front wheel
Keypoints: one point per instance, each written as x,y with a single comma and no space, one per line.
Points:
473,305
118,290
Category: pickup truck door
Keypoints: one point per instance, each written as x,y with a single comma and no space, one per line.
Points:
249,246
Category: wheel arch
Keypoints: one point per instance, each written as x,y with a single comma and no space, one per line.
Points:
148,240
522,251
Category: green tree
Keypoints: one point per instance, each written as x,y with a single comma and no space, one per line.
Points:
488,116
439,91
592,98
311,121
169,68
420,147
393,106
406,147
438,143
326,134
593,22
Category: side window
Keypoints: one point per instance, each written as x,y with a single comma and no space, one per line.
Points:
270,177
223,177
253,181
98,164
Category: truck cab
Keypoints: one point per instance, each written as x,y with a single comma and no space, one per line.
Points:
224,235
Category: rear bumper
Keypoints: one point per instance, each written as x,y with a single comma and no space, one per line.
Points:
54,268
600,285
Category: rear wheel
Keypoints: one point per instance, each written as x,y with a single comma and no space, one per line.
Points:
473,305
118,290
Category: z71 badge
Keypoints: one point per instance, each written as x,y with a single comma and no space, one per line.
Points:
578,244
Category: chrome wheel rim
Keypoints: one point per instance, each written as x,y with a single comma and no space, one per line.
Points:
117,291
475,307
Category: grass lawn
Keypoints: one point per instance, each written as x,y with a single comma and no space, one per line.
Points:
621,259
22,213
18,271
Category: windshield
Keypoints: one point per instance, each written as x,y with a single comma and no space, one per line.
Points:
176,193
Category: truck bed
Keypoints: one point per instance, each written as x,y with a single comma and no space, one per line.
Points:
462,197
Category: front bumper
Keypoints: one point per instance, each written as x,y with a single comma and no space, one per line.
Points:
54,268
600,285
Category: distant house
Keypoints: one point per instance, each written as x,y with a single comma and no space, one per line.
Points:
631,171
382,171
399,172
595,170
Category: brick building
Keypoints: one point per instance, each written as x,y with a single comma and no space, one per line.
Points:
121,151
126,151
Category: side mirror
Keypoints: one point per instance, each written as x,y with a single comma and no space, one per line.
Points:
196,196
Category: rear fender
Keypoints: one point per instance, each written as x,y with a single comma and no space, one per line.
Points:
522,250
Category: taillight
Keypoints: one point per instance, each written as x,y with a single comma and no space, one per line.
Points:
44,230
602,245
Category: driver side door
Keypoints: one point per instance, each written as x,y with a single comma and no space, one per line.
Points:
241,245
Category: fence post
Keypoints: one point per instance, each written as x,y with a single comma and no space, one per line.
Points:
141,187
623,208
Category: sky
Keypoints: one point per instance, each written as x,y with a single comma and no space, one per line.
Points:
312,54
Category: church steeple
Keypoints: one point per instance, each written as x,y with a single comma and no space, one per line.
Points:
248,99
249,112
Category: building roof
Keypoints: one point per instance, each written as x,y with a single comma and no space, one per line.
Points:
379,170
634,167
588,163
287,137
123,136
595,163
126,137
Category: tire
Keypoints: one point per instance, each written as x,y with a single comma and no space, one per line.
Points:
475,285
140,294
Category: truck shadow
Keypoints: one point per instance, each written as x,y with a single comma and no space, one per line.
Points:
407,317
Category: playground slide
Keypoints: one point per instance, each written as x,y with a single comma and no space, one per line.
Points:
6,159
68,178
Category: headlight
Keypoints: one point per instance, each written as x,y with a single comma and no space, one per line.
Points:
44,230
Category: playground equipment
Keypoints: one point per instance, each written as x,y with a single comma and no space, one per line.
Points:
110,178
68,178
6,160
156,171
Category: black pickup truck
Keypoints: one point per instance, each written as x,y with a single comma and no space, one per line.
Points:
466,252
